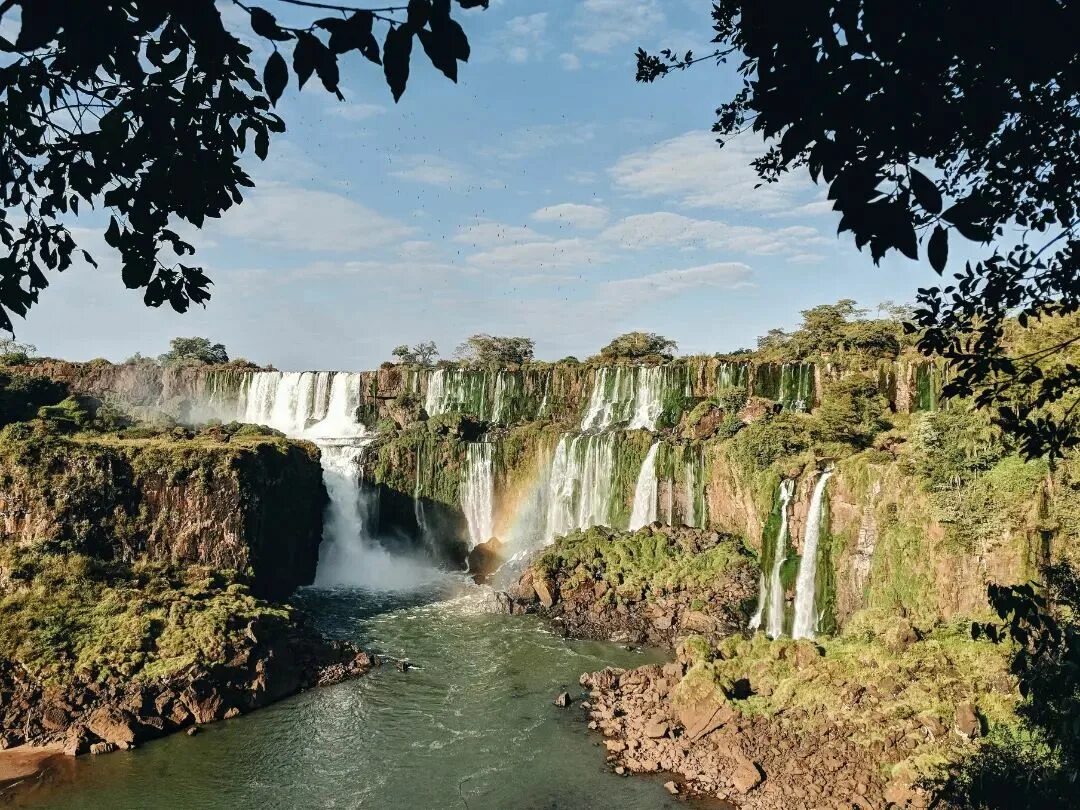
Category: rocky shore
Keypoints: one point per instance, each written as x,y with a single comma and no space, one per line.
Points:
91,716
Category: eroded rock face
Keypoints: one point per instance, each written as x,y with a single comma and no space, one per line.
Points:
243,505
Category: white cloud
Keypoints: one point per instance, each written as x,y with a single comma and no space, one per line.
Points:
570,61
532,140
694,169
356,112
665,229
487,234
523,38
573,215
722,275
282,215
559,254
603,25
432,170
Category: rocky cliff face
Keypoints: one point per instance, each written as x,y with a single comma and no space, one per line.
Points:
247,504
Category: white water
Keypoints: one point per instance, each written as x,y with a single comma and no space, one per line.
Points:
625,394
771,598
645,492
322,407
478,492
806,618
580,483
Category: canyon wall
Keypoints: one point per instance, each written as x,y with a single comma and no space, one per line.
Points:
246,503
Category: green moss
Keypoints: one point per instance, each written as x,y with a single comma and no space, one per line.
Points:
647,561
66,615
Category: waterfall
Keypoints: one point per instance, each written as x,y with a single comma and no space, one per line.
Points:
806,618
322,407
690,511
645,492
477,492
625,394
771,596
580,483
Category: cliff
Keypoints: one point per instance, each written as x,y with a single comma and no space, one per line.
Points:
248,503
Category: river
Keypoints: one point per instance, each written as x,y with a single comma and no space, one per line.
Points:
470,726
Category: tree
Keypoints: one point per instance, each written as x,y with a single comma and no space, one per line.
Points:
199,349
487,350
635,345
823,327
13,353
932,122
141,109
422,354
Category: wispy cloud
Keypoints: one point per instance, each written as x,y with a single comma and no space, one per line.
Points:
557,254
602,25
666,229
282,215
573,215
487,234
723,275
696,171
432,170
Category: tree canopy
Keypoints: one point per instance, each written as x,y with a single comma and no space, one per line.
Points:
140,110
635,345
199,349
938,126
422,354
489,350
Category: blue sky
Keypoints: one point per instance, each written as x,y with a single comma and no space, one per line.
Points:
547,195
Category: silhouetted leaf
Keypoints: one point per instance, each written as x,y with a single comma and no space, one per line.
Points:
439,52
305,54
265,24
926,193
396,52
937,249
275,76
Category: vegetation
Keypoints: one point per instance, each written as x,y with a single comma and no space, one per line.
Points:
649,561
13,353
197,349
144,109
639,345
836,328
422,354
64,615
487,350
833,89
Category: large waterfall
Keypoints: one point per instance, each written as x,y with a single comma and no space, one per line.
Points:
322,407
580,483
771,597
627,396
645,492
806,618
478,492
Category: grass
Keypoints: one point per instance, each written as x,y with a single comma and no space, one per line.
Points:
647,561
67,615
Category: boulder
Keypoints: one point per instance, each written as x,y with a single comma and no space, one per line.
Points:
102,748
113,725
704,717
562,700
484,559
656,727
967,721
54,719
671,788
76,742
746,777
545,591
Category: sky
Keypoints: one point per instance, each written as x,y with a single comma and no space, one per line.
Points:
545,195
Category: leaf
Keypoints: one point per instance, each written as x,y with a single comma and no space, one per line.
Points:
925,191
439,52
417,13
473,3
262,143
353,33
396,52
112,234
275,76
937,249
40,24
305,55
89,258
265,24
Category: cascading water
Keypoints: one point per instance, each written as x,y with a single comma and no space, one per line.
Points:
771,598
630,395
582,473
806,618
478,492
645,492
322,407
